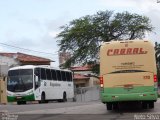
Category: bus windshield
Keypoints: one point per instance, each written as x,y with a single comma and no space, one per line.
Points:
20,80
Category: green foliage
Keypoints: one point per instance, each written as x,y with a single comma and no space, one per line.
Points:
82,37
95,69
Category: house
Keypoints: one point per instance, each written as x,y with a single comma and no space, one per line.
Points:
8,60
83,77
25,59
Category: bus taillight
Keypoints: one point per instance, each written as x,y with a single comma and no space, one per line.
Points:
155,78
101,81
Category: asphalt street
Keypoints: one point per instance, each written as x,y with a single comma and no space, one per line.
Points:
79,111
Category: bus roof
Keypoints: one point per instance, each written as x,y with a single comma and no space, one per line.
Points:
127,41
36,66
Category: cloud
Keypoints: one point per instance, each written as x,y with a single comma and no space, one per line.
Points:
131,5
153,14
117,3
35,27
1,49
149,8
53,34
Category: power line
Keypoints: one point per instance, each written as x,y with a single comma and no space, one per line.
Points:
27,49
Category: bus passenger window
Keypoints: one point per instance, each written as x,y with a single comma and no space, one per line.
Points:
63,75
54,76
48,73
67,76
43,74
70,74
59,75
38,72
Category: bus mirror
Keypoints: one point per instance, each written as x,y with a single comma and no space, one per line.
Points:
36,79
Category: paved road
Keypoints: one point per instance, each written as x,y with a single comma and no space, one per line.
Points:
12,108
79,111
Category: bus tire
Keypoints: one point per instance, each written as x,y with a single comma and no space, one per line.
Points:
74,99
151,105
144,105
43,98
21,102
64,97
115,106
109,106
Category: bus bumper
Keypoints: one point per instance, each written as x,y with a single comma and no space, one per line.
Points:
21,98
146,96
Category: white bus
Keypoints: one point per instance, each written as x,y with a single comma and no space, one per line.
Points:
39,83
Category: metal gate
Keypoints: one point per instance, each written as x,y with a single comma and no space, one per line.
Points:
87,94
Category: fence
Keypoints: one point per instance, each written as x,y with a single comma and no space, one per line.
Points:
87,94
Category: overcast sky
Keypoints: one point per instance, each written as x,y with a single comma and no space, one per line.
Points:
33,24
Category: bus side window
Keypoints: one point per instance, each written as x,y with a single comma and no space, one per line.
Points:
43,74
59,75
71,77
54,76
63,74
67,76
48,73
38,72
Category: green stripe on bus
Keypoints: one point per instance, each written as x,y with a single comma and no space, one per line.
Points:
135,94
23,98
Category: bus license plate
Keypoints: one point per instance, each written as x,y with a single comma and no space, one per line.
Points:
18,97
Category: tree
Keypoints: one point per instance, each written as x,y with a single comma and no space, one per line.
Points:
82,37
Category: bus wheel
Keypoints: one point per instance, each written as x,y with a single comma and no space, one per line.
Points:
151,105
74,99
21,102
109,106
115,106
64,97
43,98
144,105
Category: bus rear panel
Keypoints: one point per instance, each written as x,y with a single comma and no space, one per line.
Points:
128,73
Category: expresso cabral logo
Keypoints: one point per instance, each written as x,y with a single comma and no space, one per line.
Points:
126,51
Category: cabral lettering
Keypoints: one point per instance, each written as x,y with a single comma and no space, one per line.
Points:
126,51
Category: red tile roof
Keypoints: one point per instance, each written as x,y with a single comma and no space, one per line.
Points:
80,76
25,57
82,68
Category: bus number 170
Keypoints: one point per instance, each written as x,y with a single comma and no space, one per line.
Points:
146,77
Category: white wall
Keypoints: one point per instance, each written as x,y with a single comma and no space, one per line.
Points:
6,63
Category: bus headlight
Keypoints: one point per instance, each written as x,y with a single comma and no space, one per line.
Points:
29,93
9,94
